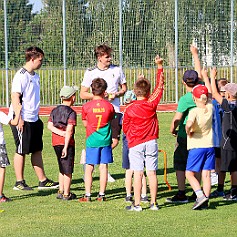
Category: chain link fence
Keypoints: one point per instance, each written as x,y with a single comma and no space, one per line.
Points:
137,30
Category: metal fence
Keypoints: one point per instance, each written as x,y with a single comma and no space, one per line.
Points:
137,30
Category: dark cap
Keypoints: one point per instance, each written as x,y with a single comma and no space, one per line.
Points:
190,77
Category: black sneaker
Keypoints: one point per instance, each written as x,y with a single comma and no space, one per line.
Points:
177,198
193,197
128,198
230,197
144,199
101,198
199,202
69,197
21,185
48,184
204,206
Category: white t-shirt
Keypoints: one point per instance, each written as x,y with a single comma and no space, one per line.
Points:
202,127
29,86
4,119
114,77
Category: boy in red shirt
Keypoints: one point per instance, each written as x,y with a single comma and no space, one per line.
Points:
140,125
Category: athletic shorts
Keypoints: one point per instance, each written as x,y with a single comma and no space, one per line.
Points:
125,162
66,164
180,154
116,126
144,155
201,159
99,155
4,161
228,160
30,140
217,152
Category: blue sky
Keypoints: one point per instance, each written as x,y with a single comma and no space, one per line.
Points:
37,5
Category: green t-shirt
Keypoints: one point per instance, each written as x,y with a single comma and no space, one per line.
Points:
185,104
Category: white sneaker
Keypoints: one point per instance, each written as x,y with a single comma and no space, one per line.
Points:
214,178
110,178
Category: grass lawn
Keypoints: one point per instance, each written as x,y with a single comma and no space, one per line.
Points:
39,213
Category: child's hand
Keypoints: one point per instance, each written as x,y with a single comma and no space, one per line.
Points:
213,72
64,153
158,60
141,76
204,73
193,49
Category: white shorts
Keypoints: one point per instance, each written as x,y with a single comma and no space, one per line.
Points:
145,154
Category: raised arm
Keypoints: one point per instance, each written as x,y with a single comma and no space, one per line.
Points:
197,63
206,79
215,93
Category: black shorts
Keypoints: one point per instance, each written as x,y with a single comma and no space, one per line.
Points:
30,140
181,154
217,152
116,126
66,164
228,160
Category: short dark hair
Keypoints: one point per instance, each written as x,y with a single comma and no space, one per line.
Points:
33,52
142,87
98,86
102,50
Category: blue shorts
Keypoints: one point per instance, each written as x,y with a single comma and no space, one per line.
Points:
125,162
201,159
99,155
144,155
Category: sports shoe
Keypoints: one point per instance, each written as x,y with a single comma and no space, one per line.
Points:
199,202
68,197
177,198
134,208
230,197
128,198
84,199
48,184
59,195
154,207
144,199
110,178
214,178
21,185
203,206
3,198
216,194
101,198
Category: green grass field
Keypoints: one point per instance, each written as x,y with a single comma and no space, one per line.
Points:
39,213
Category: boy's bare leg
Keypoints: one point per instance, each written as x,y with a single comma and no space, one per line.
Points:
37,163
192,180
234,178
88,178
144,188
19,165
67,178
180,176
206,179
137,186
153,183
61,185
128,181
2,179
103,177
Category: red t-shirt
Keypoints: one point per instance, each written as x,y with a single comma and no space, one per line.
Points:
140,122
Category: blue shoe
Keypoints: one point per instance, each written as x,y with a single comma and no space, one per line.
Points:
216,194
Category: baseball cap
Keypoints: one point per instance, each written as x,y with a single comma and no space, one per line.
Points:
67,91
129,96
231,88
199,90
190,77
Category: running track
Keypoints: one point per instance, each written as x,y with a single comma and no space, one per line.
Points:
45,110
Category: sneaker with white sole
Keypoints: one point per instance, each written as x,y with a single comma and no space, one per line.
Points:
214,178
216,194
134,208
154,207
199,202
48,184
144,199
128,198
21,185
